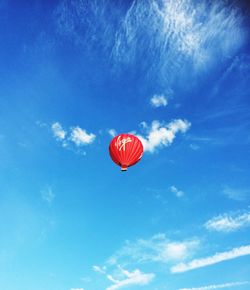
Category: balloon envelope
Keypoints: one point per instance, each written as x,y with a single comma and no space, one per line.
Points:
125,150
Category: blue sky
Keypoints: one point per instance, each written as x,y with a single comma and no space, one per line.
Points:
75,73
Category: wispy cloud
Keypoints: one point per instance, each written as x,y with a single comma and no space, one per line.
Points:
75,136
194,146
98,269
228,222
238,67
80,136
48,195
172,36
133,278
58,131
218,286
181,31
76,289
237,194
217,258
156,249
142,253
112,132
162,135
159,101
177,192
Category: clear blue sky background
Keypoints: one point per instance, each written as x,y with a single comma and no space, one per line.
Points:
174,72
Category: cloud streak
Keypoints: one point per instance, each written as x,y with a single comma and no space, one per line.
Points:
98,269
112,132
218,286
156,249
133,278
48,195
173,35
217,258
180,32
228,223
237,194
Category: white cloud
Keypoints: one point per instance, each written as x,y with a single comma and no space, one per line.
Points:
58,131
99,269
237,194
175,251
76,289
218,286
41,124
156,249
48,195
160,135
217,258
179,32
86,279
228,223
158,101
177,192
176,39
80,137
112,132
194,147
133,278
75,139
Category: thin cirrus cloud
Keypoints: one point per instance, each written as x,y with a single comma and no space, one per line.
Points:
133,278
158,101
217,258
228,223
98,269
176,191
238,194
218,286
58,131
174,30
48,195
162,135
76,135
173,35
112,132
158,248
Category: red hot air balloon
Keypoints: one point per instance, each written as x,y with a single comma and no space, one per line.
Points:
125,150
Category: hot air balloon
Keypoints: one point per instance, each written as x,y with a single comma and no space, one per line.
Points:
125,150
